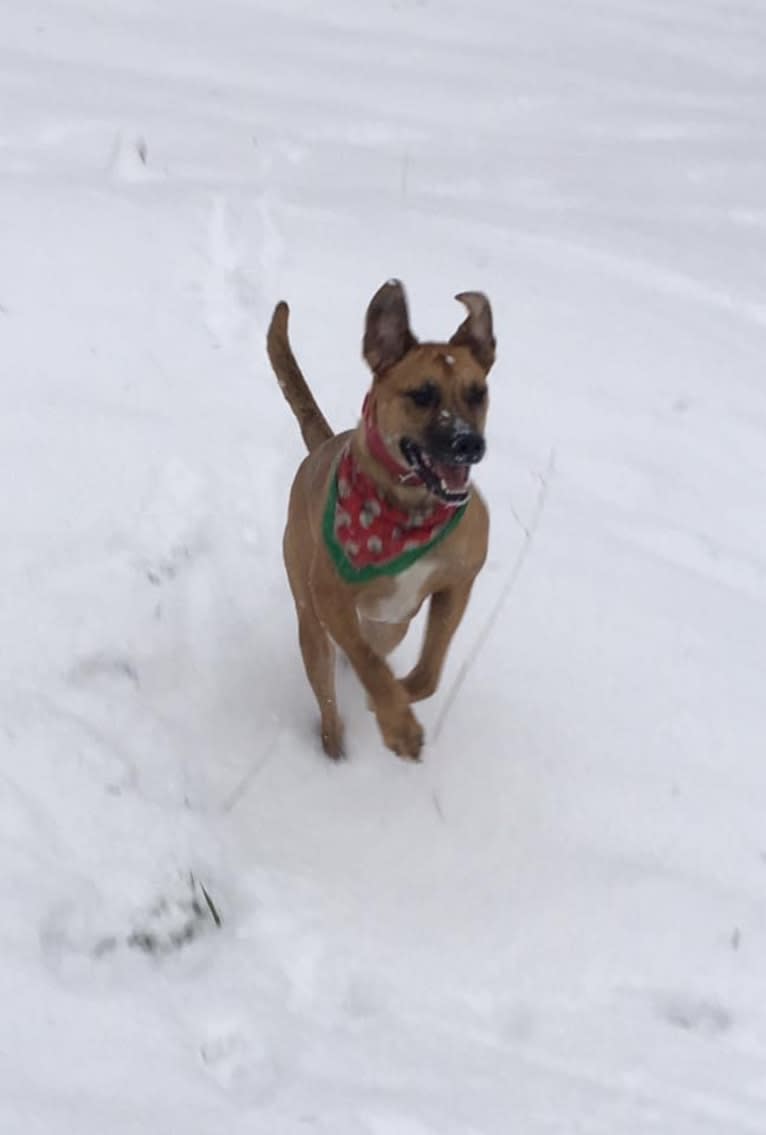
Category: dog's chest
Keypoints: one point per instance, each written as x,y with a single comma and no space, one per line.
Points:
400,604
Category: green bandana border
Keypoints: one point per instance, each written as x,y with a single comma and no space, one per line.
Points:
346,569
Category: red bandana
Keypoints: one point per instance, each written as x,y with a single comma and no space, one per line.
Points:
367,535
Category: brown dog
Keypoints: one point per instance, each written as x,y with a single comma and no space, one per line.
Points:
383,517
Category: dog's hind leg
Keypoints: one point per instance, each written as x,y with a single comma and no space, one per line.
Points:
318,652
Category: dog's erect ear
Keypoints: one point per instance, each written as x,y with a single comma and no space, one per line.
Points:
475,332
387,335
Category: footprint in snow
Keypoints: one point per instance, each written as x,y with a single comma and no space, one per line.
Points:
88,931
703,1016
396,1124
240,1062
129,160
173,529
229,291
103,665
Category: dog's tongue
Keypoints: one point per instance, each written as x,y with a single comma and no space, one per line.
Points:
454,477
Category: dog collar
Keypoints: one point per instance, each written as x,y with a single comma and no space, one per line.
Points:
367,536
380,452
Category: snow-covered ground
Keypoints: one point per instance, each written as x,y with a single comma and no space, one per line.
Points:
556,923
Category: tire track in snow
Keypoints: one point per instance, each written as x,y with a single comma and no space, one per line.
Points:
654,277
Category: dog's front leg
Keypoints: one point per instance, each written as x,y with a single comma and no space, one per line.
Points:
400,728
444,614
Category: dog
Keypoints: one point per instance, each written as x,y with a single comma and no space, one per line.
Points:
384,516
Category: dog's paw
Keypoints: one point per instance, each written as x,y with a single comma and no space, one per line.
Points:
403,734
332,739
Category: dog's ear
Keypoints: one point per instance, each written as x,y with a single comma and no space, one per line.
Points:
387,335
475,332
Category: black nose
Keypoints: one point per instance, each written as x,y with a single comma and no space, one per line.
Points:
467,448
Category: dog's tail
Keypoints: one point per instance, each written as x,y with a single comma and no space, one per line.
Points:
314,426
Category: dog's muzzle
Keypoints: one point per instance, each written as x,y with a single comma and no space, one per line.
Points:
456,446
444,462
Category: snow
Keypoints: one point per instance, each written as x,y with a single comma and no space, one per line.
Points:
557,922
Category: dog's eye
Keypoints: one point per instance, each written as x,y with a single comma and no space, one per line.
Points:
476,394
425,395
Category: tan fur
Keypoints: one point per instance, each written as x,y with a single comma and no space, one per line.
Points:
314,426
332,612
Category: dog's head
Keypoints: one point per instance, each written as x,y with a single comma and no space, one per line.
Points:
430,399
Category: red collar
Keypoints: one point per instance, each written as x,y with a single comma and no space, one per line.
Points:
380,452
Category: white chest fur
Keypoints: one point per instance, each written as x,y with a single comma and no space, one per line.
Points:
409,591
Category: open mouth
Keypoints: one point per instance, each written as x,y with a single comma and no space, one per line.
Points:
446,481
